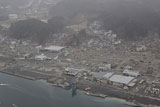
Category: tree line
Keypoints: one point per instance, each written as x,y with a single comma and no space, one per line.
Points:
35,29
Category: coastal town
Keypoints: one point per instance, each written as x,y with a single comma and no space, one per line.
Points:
131,72
99,62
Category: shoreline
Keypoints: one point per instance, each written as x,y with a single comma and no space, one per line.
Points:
20,76
99,91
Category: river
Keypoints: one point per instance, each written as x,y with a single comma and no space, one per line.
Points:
28,93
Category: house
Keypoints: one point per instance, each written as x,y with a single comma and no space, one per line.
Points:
53,48
127,72
27,55
128,67
13,16
105,67
141,48
120,80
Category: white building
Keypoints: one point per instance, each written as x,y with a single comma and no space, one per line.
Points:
131,73
119,80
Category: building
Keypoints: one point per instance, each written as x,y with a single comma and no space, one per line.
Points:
131,73
119,80
73,71
156,82
102,75
98,75
141,48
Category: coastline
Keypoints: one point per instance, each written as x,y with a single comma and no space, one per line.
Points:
99,91
137,99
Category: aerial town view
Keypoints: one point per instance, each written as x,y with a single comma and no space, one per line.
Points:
92,49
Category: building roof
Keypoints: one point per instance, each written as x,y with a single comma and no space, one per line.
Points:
54,48
131,73
121,79
108,75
